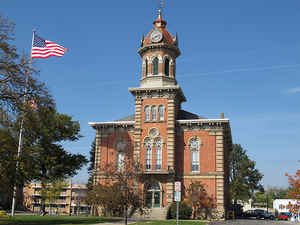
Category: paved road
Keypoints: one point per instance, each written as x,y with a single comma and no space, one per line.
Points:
253,222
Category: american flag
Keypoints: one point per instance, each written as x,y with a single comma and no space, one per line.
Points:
42,48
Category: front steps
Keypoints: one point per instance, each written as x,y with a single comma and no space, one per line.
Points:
153,214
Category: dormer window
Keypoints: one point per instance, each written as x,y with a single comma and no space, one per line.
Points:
167,68
155,66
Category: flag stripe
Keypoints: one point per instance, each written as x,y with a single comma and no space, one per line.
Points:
49,50
43,48
44,57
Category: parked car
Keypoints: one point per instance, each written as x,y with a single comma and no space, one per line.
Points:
248,214
258,214
283,216
268,216
251,214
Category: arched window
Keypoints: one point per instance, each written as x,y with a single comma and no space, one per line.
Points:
154,112
120,147
155,66
147,113
167,69
148,154
158,154
120,160
146,67
194,148
161,111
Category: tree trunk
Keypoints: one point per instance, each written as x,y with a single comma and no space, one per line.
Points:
43,199
125,214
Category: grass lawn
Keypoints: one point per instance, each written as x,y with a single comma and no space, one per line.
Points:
68,220
172,222
52,220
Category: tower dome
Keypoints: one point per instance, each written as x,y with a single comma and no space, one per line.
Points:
159,50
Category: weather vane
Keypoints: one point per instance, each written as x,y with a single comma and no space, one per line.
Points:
161,5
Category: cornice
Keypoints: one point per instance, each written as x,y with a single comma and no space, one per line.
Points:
199,121
161,92
173,48
111,124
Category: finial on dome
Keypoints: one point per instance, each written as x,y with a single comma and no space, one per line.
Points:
159,22
159,18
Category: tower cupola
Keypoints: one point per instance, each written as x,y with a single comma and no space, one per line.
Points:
159,50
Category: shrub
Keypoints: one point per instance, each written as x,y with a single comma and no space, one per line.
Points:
185,211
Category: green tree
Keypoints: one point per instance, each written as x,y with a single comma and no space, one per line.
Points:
277,193
52,190
266,198
7,166
244,178
15,75
185,210
91,167
260,199
45,132
16,83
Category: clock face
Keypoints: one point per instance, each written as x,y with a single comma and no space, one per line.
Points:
156,36
194,144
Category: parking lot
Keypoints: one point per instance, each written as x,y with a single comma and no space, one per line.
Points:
252,222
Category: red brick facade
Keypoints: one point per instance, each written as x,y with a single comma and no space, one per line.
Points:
171,144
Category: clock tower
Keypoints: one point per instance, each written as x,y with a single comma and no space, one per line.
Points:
157,103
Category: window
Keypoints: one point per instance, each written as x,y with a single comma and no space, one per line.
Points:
161,110
147,113
194,147
148,154
167,62
146,67
158,154
155,66
154,112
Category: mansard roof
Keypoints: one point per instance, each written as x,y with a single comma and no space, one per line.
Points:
185,115
127,118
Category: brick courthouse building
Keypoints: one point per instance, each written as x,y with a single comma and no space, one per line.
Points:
171,144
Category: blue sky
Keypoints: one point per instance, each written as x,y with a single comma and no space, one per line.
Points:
238,57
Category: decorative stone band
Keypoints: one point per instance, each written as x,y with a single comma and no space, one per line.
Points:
159,92
96,125
214,126
159,46
199,121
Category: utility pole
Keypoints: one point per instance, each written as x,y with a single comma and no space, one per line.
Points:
70,211
267,202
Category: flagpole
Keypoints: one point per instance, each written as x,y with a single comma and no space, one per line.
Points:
21,129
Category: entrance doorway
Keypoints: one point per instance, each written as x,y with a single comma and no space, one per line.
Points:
152,195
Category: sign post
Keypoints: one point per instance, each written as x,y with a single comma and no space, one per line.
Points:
177,196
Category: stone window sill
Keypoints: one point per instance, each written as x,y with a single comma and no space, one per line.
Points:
154,121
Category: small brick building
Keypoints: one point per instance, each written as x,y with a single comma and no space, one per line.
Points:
171,144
